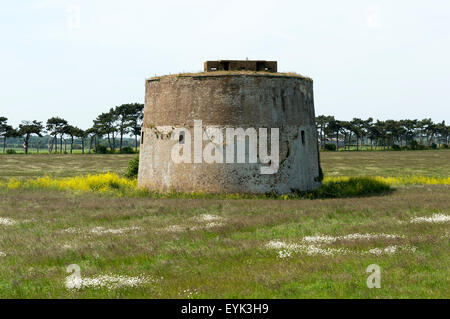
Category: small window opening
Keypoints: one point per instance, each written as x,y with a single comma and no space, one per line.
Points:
303,137
181,137
260,66
142,137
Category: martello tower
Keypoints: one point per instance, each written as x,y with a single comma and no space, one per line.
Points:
248,96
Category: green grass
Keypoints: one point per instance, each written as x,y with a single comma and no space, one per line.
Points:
226,257
227,261
422,163
34,165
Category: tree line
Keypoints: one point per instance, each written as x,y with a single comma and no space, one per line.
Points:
112,126
389,134
125,119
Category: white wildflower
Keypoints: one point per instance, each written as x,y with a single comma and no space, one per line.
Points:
284,254
102,230
325,239
380,251
207,226
390,250
317,250
286,249
174,229
319,239
281,245
435,218
7,221
306,249
106,281
212,225
71,230
187,293
209,218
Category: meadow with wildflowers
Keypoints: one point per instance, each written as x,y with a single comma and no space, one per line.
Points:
129,243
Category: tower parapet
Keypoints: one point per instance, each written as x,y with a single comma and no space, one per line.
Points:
240,65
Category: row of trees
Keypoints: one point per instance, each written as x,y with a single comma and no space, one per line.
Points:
113,125
386,134
127,119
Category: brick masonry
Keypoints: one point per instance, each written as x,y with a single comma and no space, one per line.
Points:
229,100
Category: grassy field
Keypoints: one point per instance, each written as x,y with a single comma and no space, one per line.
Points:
34,165
210,248
423,163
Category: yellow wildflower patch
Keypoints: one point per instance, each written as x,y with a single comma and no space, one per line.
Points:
400,180
108,182
117,185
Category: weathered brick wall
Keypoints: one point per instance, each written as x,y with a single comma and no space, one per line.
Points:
233,100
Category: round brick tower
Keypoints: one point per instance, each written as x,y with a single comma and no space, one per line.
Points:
238,127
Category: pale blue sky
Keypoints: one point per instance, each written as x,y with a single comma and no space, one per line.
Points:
385,59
